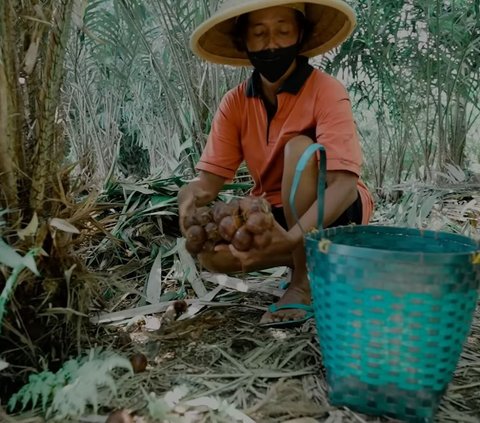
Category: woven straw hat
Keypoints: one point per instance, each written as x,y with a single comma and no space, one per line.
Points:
333,21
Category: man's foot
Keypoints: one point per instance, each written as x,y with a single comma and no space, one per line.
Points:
293,295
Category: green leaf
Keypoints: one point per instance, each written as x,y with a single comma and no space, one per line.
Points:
169,296
9,257
427,207
137,188
161,200
74,387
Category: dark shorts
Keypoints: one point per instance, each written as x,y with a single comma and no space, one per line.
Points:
352,215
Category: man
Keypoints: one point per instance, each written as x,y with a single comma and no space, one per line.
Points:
268,121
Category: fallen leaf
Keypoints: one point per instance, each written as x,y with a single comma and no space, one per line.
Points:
63,225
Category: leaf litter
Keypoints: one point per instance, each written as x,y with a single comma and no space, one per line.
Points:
226,367
274,375
270,375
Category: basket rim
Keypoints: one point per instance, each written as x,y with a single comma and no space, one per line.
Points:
316,236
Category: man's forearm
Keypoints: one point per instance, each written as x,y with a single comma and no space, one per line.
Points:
334,206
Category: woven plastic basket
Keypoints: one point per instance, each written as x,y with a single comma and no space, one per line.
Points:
393,307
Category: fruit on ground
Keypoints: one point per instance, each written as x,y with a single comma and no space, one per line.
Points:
139,362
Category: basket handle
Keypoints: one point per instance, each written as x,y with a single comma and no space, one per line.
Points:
322,175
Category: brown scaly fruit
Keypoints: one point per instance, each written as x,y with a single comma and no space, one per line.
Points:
120,416
211,228
259,222
190,221
221,210
195,239
139,362
204,215
242,239
249,205
228,226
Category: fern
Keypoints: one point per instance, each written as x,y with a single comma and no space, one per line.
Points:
76,386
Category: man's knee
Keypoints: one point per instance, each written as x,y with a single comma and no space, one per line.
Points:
295,148
219,262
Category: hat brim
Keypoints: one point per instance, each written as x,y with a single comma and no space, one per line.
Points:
333,22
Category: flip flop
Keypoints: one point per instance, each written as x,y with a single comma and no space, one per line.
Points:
273,308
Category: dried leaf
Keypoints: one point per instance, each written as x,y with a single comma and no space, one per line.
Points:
190,270
63,225
78,12
154,283
32,53
3,365
30,229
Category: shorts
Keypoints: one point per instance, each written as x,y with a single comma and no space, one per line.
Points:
353,215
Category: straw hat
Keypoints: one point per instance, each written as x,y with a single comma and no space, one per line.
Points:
333,21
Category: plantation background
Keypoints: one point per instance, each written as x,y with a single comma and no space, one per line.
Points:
104,111
411,69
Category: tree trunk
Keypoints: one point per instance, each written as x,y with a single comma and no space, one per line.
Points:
47,146
458,131
11,116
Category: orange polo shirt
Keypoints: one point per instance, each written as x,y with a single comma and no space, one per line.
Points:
310,103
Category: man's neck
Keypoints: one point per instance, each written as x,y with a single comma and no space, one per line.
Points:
270,89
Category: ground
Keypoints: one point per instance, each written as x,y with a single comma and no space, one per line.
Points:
272,375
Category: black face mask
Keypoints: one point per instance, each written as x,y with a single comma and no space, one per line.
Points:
273,63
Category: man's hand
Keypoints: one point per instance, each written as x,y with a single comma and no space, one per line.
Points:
281,244
191,200
197,193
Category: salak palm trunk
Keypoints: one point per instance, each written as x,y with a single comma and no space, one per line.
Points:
32,49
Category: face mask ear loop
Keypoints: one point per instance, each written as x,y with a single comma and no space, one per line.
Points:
300,39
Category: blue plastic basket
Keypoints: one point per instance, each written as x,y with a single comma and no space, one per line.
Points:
393,307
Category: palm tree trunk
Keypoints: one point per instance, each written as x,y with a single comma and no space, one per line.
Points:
458,131
49,146
11,116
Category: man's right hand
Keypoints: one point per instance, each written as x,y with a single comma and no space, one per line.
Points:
190,201
197,193
186,209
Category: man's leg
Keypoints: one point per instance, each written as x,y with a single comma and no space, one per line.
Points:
299,289
225,262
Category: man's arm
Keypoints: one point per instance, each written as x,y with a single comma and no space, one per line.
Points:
341,192
197,193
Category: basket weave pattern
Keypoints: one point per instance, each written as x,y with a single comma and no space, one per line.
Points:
393,308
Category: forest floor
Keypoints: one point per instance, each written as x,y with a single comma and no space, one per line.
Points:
270,375
213,363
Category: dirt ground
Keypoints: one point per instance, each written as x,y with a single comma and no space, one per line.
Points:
272,375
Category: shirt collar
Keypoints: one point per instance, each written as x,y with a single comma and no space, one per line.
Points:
292,85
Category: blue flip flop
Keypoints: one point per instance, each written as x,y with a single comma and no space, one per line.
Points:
273,308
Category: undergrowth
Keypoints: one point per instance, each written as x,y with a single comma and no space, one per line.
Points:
81,383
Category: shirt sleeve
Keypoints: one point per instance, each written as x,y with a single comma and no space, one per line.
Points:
223,151
336,129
